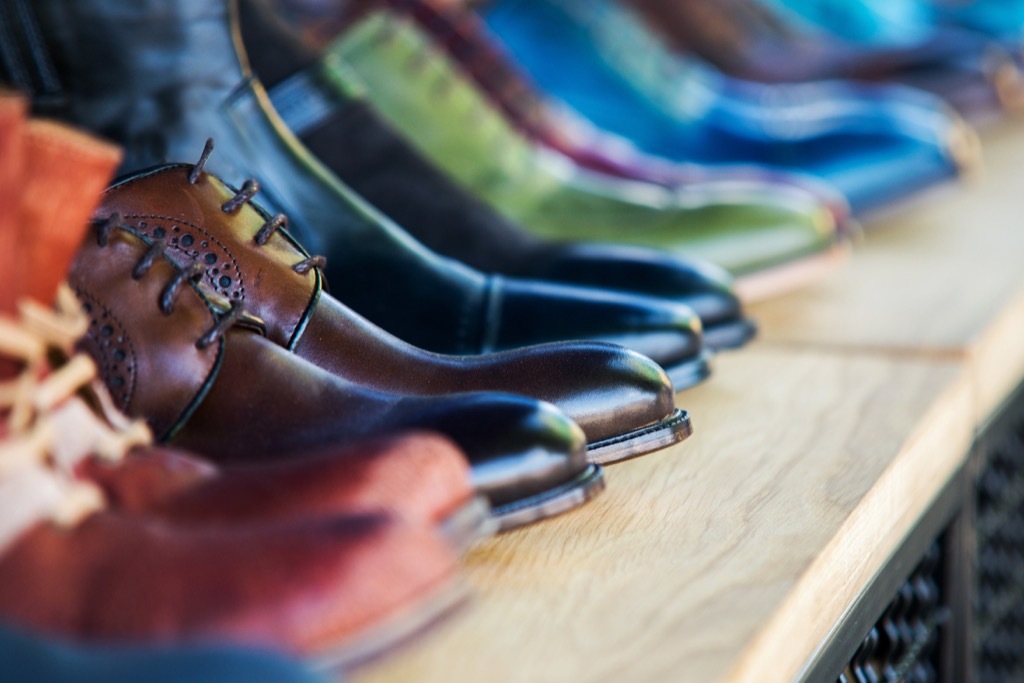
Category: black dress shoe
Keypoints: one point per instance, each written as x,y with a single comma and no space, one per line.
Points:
342,129
198,369
135,72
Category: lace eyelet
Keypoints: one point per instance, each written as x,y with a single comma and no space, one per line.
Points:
249,189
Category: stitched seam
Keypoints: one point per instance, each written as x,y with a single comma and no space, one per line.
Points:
142,175
204,389
133,375
178,247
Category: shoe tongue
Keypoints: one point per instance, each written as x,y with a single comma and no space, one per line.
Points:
64,173
12,123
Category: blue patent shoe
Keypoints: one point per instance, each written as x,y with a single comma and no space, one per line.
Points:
876,143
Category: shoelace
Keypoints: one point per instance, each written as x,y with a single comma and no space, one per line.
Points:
57,414
191,274
242,197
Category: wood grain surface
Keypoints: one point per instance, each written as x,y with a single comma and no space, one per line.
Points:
733,555
675,571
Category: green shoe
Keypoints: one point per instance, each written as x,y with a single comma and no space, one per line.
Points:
765,233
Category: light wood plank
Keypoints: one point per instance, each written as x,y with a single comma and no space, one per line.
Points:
675,573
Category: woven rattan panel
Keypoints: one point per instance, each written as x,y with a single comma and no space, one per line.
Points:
903,643
998,595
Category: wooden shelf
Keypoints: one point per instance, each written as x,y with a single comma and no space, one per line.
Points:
734,555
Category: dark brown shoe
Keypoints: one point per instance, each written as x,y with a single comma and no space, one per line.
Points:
199,371
623,401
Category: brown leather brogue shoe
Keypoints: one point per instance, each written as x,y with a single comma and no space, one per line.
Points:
340,588
202,375
64,173
623,401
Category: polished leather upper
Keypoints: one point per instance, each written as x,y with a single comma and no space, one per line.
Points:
607,390
875,143
243,398
743,226
419,477
149,360
318,583
160,97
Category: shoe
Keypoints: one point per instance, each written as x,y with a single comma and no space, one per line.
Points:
198,369
866,22
747,40
421,478
568,133
623,402
413,82
161,101
373,159
1001,19
113,579
982,88
981,84
877,144
466,42
29,657
336,591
